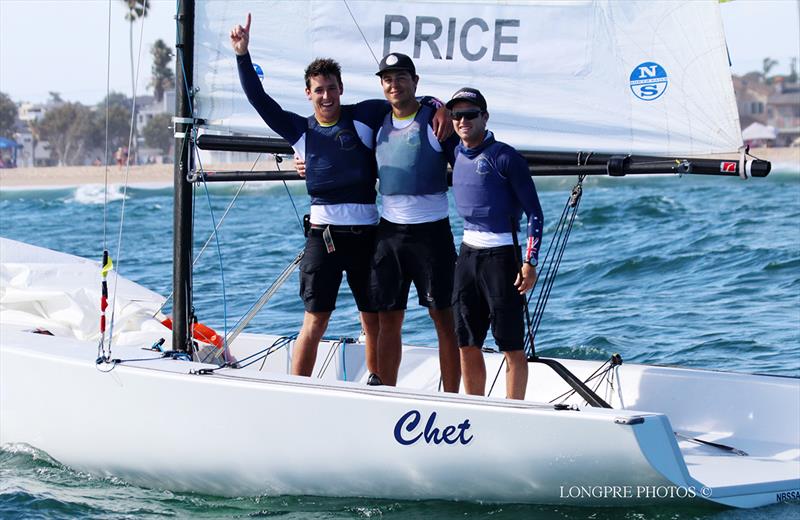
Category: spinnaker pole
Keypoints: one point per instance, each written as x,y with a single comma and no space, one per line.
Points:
182,206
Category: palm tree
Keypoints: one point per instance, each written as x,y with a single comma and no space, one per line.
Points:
766,66
136,9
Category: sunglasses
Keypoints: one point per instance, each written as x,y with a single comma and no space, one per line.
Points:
469,115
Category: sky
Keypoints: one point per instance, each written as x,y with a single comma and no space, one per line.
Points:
61,45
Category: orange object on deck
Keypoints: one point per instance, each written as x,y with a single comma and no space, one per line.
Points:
200,332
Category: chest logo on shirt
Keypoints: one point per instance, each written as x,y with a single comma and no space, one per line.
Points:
482,165
346,139
411,134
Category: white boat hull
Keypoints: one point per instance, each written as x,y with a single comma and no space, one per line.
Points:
159,423
248,432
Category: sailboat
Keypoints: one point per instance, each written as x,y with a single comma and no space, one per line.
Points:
611,88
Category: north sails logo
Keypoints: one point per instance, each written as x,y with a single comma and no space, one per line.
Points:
259,71
648,81
482,165
346,139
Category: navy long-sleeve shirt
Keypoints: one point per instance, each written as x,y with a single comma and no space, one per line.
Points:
492,186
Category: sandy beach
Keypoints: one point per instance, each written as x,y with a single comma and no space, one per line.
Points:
161,174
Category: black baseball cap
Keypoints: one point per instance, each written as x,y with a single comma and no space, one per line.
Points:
396,61
470,95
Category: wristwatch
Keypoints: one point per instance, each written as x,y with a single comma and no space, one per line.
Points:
533,261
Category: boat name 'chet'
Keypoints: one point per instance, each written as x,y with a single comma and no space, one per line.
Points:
430,434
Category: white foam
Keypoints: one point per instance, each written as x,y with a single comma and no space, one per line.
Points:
95,194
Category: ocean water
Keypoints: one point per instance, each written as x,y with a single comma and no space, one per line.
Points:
689,271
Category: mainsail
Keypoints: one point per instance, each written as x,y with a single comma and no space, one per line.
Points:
638,77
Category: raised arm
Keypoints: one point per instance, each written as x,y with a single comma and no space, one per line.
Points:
288,125
240,37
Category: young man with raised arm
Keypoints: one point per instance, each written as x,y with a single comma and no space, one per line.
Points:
337,146
492,187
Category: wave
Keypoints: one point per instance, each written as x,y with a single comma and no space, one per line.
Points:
96,194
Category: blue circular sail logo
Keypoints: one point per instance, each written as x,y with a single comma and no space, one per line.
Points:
649,81
259,71
482,166
346,139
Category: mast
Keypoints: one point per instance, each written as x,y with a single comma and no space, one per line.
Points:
182,205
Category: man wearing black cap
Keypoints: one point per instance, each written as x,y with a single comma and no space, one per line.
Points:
492,187
414,242
337,145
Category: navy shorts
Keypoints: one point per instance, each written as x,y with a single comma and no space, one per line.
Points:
420,253
485,295
321,272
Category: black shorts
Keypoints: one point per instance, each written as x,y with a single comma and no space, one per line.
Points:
485,294
321,272
419,253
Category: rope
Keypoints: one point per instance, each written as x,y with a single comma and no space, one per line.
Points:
366,42
278,344
550,267
278,161
125,188
604,373
211,236
190,138
329,357
104,272
551,264
216,239
108,94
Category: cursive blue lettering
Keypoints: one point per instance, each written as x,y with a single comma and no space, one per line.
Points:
406,430
462,436
414,417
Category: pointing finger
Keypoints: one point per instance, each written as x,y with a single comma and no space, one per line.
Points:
247,25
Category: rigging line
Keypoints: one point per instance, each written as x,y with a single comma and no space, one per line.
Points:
557,262
268,353
252,358
544,273
278,344
563,233
289,193
188,142
211,236
108,94
216,239
256,307
591,377
125,185
104,271
328,358
377,61
496,376
550,281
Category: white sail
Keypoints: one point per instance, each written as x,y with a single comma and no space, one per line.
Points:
647,77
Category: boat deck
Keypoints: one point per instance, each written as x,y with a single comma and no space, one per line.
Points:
716,468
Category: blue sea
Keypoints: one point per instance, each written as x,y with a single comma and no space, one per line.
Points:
689,271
